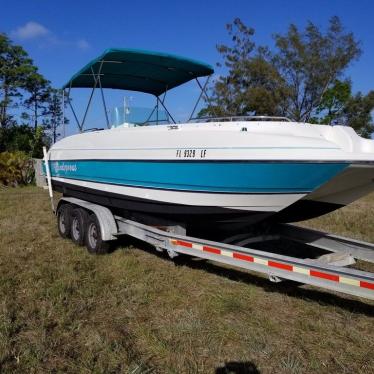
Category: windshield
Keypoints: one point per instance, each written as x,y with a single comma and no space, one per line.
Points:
121,115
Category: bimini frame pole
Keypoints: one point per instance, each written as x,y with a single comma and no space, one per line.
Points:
150,116
98,80
200,96
63,113
162,103
157,112
88,105
154,108
72,109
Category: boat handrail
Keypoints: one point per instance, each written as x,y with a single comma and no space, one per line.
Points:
146,123
240,118
220,119
92,129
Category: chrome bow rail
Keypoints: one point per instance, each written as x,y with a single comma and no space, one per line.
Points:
240,118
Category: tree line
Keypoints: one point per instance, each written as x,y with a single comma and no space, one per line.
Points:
303,77
30,108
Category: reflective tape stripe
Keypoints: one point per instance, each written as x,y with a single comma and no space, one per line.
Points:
260,261
296,269
275,264
320,274
211,250
197,246
240,256
183,244
368,285
350,281
279,265
227,253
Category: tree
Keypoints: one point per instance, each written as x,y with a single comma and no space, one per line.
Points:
15,67
310,62
252,85
18,138
333,103
301,78
38,142
18,78
39,90
339,107
357,113
55,114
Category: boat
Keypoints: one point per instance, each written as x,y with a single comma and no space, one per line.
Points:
207,171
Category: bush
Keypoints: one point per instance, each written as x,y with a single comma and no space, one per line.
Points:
16,168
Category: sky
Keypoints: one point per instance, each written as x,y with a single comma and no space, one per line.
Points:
62,36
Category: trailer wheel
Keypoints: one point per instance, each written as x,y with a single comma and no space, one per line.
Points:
63,220
94,241
78,223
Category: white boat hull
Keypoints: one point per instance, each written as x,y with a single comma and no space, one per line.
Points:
214,171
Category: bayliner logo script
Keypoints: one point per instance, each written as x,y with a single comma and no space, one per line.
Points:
62,167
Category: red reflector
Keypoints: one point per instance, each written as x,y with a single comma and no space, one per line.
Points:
183,244
211,250
280,266
367,285
319,274
240,256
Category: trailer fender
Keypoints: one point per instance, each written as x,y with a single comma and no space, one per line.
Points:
108,226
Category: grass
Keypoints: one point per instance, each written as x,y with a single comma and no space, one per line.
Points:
135,311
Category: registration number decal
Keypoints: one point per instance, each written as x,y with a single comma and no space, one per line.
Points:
191,153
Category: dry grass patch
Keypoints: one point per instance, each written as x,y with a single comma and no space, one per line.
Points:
135,311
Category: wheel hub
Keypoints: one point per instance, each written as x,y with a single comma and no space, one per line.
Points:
62,223
75,228
92,235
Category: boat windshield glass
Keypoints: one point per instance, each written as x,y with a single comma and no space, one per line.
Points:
140,116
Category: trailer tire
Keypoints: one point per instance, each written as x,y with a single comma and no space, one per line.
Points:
79,218
94,241
63,220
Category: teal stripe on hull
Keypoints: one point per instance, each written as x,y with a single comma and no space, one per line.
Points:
234,177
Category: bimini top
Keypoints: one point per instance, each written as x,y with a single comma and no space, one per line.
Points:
138,70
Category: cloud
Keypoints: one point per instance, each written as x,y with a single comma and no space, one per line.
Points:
31,30
35,31
83,44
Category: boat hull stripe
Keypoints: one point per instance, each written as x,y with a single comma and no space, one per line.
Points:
235,177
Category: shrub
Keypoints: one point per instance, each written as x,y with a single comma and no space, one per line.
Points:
16,168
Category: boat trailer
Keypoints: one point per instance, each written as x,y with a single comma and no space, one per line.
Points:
326,271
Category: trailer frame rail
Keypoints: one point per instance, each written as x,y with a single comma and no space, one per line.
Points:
276,267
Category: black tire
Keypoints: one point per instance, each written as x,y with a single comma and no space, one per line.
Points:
64,219
79,218
94,241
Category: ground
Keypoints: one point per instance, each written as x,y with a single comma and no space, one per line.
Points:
135,311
